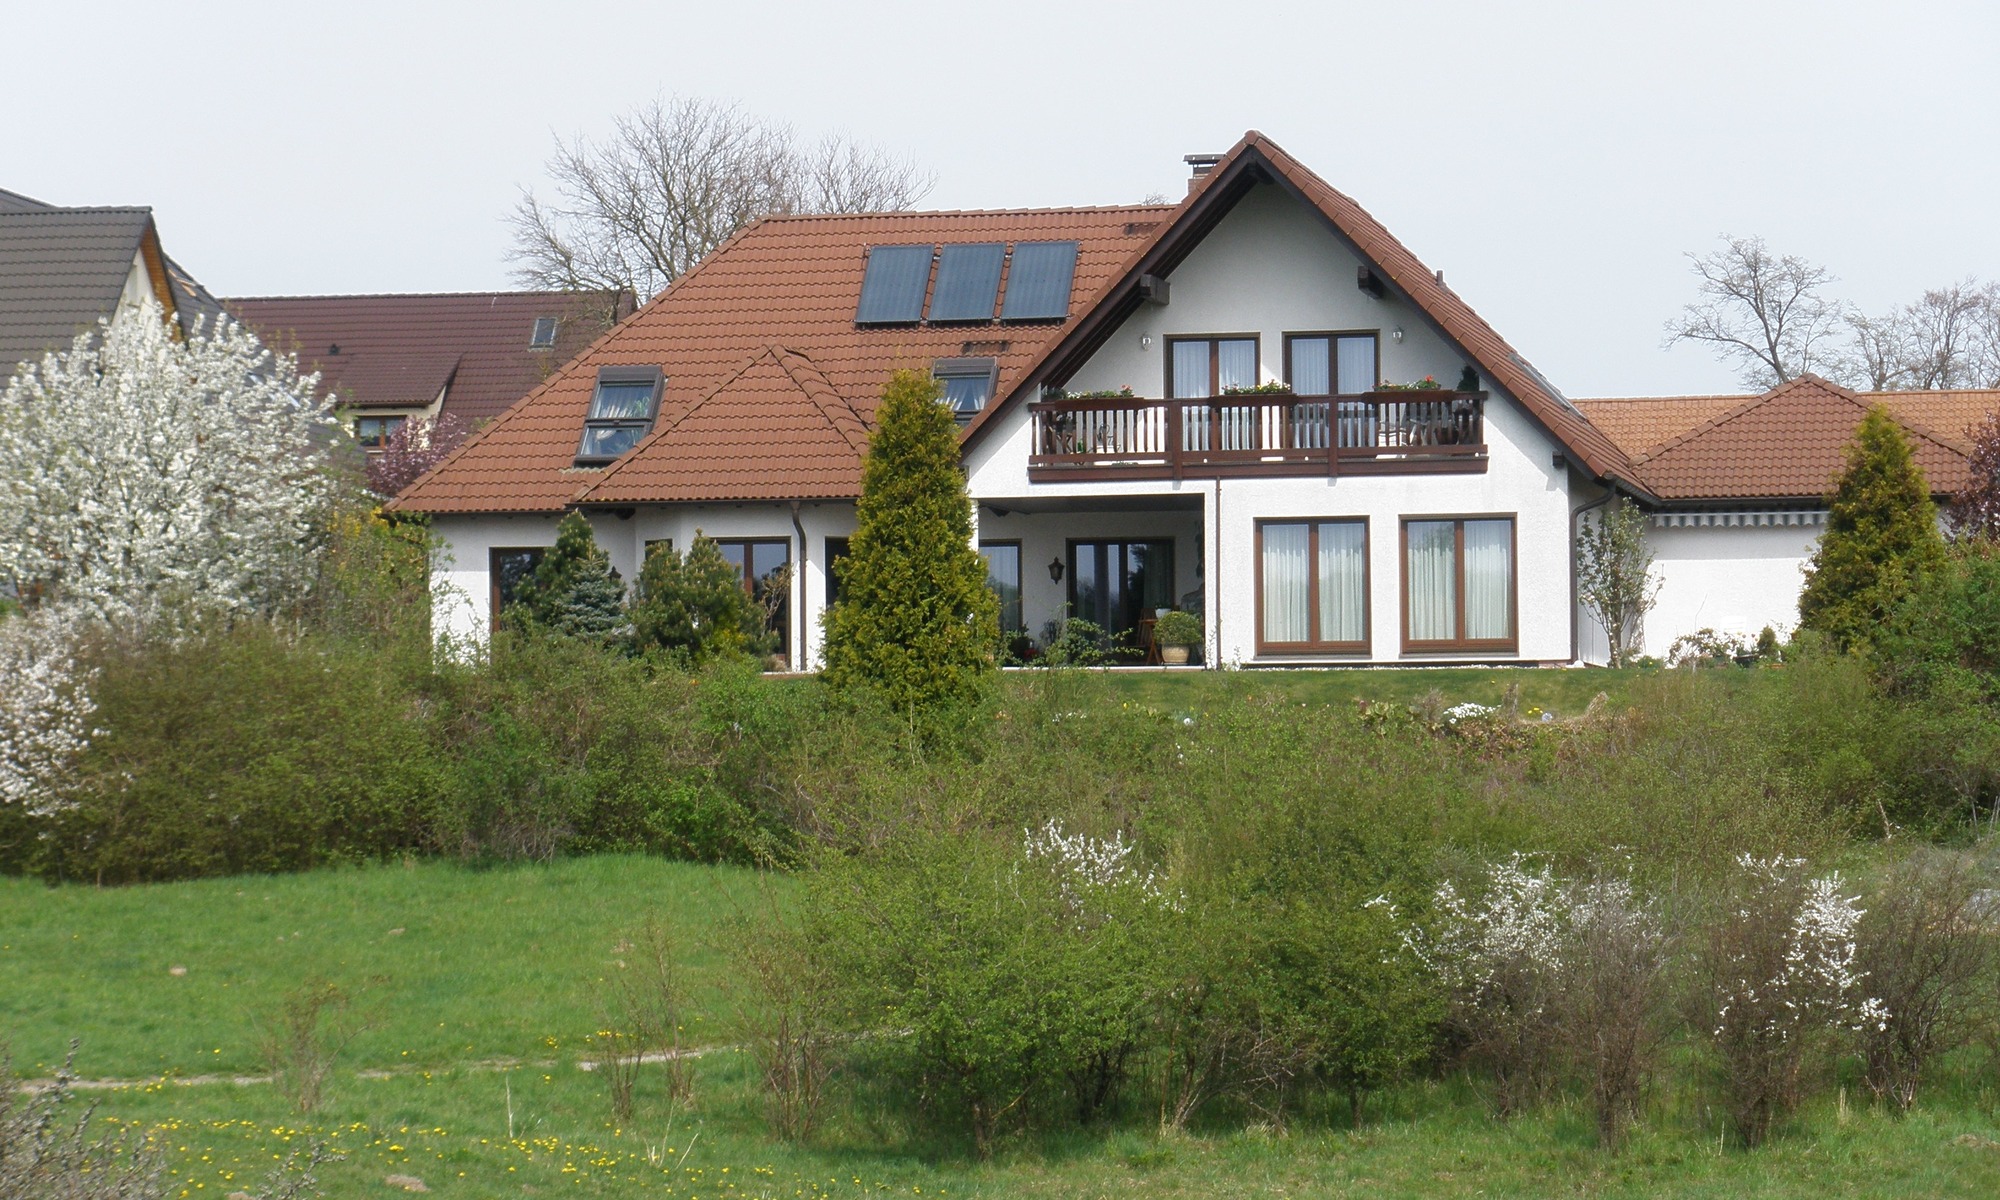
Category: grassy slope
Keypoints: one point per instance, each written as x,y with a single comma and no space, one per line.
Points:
504,961
1563,692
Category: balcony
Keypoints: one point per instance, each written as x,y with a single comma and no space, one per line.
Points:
1273,434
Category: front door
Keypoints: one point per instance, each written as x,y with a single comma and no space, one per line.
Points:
1118,584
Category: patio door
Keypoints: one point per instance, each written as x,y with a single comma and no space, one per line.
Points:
1117,584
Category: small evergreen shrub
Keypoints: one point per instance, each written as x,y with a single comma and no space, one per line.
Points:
573,592
1881,537
693,608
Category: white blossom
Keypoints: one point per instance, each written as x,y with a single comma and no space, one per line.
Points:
1815,984
1467,711
45,708
142,476
1087,866
1523,917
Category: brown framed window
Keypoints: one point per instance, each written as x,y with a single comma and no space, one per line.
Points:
507,568
1335,363
1210,366
622,408
1312,586
1116,585
761,564
374,432
1003,575
1459,591
836,555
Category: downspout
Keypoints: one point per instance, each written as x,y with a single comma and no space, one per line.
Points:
1575,519
799,583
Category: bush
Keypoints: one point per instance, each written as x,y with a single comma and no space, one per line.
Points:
1178,628
1881,537
693,608
1922,950
1944,639
48,1150
572,592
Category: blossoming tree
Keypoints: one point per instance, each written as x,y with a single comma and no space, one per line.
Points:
144,477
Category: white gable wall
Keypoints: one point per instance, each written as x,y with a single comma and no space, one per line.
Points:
1734,577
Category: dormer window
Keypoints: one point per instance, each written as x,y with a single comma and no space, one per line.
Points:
621,413
968,383
544,336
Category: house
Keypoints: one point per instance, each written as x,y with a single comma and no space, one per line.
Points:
1736,489
62,270
1255,404
389,358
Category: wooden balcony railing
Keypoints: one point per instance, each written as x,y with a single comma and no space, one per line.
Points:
1258,434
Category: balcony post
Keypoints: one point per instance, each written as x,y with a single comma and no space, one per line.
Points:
1174,447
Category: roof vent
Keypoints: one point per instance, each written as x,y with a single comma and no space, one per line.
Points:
1199,165
333,350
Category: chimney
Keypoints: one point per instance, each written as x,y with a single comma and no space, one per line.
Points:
1199,165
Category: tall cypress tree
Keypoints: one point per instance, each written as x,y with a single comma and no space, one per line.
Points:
916,621
1881,536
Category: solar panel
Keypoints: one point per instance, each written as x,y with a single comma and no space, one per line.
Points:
1038,284
892,289
968,280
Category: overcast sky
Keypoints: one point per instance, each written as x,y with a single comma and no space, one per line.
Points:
1553,158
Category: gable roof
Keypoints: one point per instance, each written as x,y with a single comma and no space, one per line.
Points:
1786,444
403,351
787,282
61,271
1257,159
718,447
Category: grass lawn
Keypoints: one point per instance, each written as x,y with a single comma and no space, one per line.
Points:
1563,691
506,962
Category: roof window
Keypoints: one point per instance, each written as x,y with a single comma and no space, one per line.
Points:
892,288
622,409
1038,283
544,337
968,281
967,382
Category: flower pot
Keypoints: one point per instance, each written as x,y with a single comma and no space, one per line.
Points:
1174,656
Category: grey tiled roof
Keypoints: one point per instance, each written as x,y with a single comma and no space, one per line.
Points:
61,270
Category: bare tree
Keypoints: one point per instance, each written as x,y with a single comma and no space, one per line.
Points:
1614,582
674,181
1763,312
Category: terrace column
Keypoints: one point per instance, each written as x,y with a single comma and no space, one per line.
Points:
1211,575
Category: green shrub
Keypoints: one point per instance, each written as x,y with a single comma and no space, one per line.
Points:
1881,537
694,609
1178,628
572,592
1945,637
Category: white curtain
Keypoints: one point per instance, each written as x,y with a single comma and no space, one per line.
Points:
1190,370
1342,598
1489,579
1433,581
1287,608
1236,363
1311,370
1357,365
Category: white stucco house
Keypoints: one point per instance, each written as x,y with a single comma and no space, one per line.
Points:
1255,404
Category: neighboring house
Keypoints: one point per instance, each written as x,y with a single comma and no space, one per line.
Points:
62,270
1737,489
1316,518
387,359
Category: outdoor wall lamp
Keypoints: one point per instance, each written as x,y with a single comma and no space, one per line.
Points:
1056,570
1396,334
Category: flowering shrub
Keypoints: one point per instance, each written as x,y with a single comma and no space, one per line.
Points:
1085,867
1781,965
45,708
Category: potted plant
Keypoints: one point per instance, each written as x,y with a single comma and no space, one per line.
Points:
1176,633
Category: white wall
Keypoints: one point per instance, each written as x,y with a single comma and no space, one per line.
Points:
1273,266
1734,579
461,586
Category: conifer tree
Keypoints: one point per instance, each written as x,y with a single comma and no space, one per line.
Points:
1881,536
572,591
916,620
695,606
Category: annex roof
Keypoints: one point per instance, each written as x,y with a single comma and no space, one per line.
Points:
784,288
1257,159
404,351
1785,444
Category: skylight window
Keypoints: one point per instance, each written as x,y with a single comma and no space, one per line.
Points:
544,337
968,383
892,288
1038,283
968,282
621,413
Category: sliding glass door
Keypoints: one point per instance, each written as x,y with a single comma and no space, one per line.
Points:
1118,584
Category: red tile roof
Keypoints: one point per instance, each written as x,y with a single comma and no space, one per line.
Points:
400,351
1787,444
789,282
1638,423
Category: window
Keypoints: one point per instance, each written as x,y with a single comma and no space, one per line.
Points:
621,412
1003,575
761,565
968,383
1312,586
1118,584
892,286
374,432
544,336
507,569
1458,584
968,282
1198,367
1038,282
1330,364
836,554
